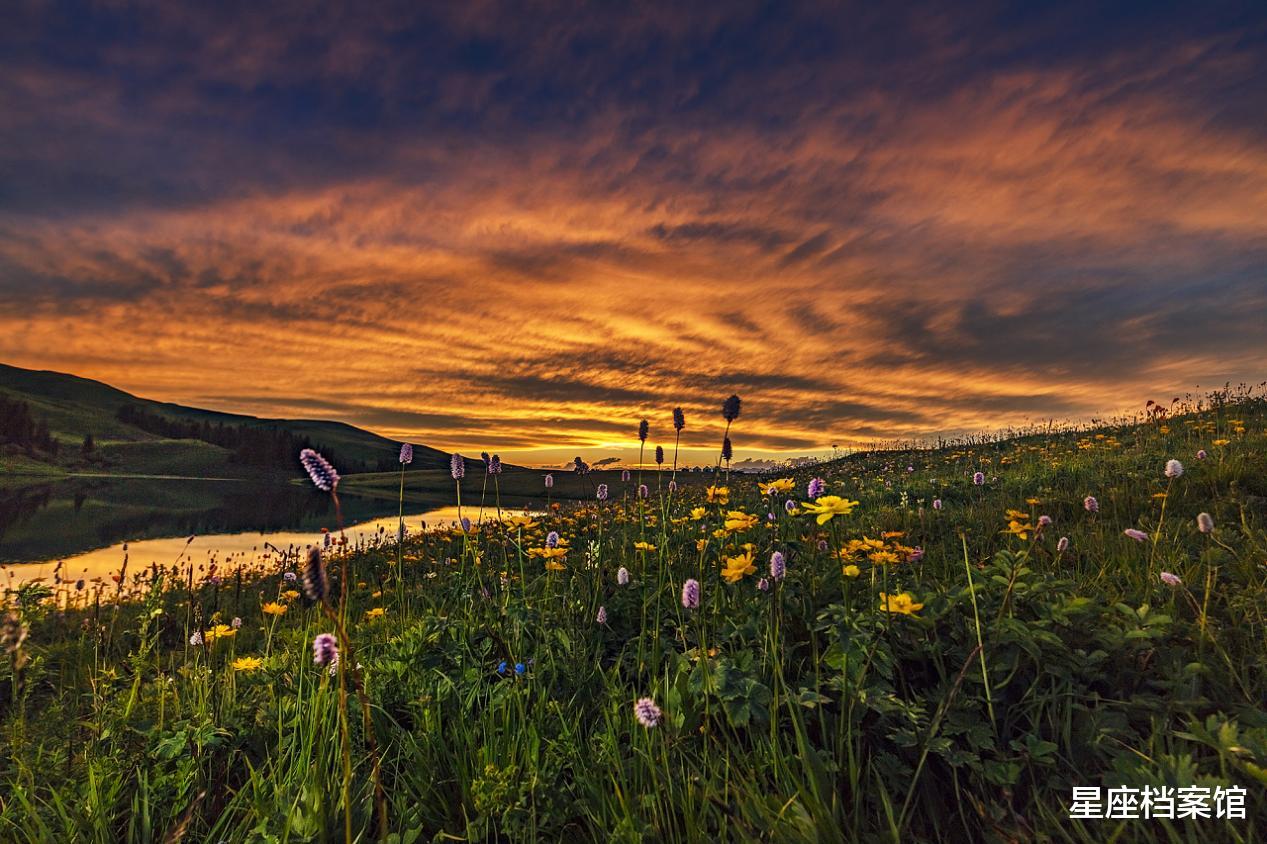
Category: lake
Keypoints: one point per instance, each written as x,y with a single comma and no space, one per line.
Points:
85,522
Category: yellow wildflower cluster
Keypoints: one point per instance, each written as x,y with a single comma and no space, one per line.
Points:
879,552
1018,524
219,631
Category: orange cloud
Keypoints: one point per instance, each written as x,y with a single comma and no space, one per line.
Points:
1038,241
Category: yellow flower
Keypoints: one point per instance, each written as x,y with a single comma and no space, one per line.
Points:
1221,442
644,546
781,485
220,631
274,608
289,595
829,506
520,522
247,663
737,567
1018,528
377,612
901,604
701,544
718,494
1032,501
698,513
557,553
850,571
737,520
881,558
554,565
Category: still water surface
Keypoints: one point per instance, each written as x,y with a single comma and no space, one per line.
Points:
85,523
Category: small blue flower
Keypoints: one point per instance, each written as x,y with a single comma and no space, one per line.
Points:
501,667
519,668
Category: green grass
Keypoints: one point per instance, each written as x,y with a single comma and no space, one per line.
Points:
799,713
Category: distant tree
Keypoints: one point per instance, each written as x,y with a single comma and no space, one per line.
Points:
18,427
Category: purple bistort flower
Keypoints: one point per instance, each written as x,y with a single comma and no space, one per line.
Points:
552,539
316,584
642,490
1173,468
601,618
406,453
659,455
1201,455
549,481
624,475
1090,504
323,475
690,594
978,478
778,566
1137,535
644,428
1170,579
730,408
936,503
817,486
457,467
672,486
622,576
1205,523
495,465
602,492
325,650
647,713
789,505
679,419
763,585
1063,545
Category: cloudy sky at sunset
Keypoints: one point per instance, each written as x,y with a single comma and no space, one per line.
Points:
522,227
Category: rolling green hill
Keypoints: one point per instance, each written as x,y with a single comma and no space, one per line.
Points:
133,435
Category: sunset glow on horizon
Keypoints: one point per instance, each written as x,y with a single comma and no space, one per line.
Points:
485,229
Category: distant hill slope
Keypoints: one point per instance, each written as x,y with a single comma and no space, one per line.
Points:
137,435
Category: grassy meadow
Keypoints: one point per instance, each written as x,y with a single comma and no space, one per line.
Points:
929,645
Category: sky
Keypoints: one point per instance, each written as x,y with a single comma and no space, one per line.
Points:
523,227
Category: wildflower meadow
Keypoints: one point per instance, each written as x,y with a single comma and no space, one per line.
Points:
905,644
